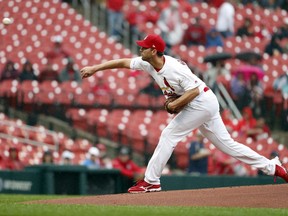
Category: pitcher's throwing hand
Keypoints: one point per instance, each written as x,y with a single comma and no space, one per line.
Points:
87,72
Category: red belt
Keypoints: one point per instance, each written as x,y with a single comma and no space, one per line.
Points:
205,89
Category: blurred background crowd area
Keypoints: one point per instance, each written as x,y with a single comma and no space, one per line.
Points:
239,48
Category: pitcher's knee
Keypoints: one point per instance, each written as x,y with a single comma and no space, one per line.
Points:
167,138
166,133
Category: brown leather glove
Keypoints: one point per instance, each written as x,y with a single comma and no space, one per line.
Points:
169,100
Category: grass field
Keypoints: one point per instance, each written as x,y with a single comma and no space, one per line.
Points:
12,205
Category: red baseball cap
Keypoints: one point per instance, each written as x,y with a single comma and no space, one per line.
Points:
152,41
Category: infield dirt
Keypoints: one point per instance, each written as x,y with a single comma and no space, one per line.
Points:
264,196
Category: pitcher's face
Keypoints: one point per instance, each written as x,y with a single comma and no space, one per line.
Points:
146,53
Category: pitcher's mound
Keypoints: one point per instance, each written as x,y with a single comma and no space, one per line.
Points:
264,196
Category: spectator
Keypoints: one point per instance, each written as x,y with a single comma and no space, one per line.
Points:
239,91
229,120
247,122
262,31
9,71
256,91
227,165
28,72
282,31
48,73
135,17
170,25
69,73
128,168
57,50
225,19
101,88
259,131
67,157
92,160
105,160
281,84
115,18
47,157
246,29
195,34
198,156
153,15
214,39
217,70
273,48
13,162
222,163
271,4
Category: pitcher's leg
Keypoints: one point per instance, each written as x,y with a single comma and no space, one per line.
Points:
160,157
178,128
217,133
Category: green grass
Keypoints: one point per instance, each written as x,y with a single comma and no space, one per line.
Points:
11,205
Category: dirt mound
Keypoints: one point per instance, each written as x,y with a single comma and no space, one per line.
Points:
264,196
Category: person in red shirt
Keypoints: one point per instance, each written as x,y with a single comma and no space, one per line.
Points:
229,121
153,14
224,164
135,17
262,32
101,88
57,51
13,162
129,169
195,34
115,18
48,73
2,165
259,131
247,122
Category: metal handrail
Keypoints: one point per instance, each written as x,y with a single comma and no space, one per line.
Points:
26,139
230,102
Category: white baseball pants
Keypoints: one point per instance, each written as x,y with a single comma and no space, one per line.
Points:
202,113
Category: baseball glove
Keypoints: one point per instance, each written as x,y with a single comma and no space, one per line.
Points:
169,100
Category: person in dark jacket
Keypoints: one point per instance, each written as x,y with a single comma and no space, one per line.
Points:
274,47
27,72
70,73
9,71
198,156
246,29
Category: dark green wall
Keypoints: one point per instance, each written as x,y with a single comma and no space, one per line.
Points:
79,180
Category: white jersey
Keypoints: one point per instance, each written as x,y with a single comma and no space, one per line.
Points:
174,78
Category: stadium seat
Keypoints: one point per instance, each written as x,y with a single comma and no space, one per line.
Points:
97,122
77,117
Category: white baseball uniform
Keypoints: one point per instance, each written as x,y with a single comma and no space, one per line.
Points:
203,112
